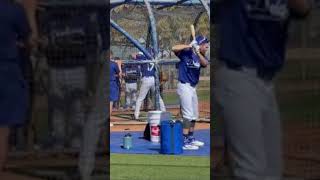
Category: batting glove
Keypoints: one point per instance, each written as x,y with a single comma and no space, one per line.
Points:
196,47
194,42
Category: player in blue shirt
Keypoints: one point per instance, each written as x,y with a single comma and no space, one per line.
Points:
147,83
253,35
14,30
117,103
114,81
192,59
131,73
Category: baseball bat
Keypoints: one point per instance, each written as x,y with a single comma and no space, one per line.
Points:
182,46
193,32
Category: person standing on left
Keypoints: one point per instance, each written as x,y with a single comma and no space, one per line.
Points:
14,32
114,83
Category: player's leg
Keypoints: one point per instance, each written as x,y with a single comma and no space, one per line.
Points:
91,134
239,95
134,95
272,134
184,92
195,108
111,105
118,102
110,110
222,163
95,121
77,82
111,100
131,97
162,106
127,96
145,86
114,95
57,110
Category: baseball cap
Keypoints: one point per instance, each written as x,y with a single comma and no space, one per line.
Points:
141,56
201,40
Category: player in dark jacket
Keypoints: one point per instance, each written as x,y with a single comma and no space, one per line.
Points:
253,36
14,30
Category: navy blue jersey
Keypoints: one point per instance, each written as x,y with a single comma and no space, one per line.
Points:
72,36
14,94
253,33
13,27
114,71
189,67
114,81
132,73
147,69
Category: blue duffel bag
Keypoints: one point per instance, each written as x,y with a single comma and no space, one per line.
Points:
171,140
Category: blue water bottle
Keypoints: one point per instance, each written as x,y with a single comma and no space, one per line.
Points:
127,141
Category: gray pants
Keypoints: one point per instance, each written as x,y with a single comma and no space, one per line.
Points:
147,83
90,123
249,110
131,94
67,86
94,124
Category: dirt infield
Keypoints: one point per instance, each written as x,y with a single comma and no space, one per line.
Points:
204,111
131,125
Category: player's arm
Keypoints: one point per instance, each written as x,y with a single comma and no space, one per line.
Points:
118,72
300,8
22,27
134,55
119,63
203,60
123,72
177,48
30,7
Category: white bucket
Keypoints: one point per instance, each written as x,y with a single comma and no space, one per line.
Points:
154,118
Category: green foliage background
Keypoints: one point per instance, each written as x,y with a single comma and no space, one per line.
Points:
173,24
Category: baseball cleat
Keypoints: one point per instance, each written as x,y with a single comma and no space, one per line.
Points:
195,142
188,146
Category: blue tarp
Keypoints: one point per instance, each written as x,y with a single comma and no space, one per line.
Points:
142,146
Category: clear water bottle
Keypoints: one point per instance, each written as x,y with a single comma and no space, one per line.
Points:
127,141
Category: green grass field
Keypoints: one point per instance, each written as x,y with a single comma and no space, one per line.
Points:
158,167
172,97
